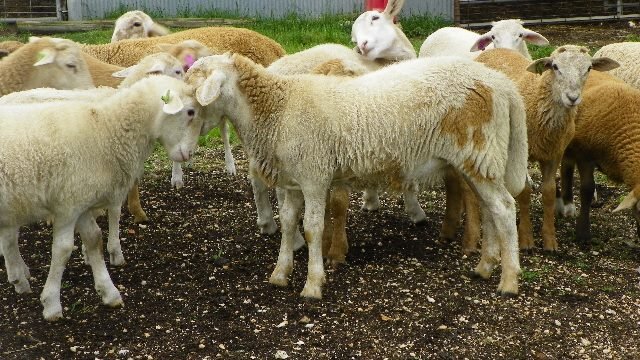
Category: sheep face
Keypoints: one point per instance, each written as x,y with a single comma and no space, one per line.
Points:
154,64
508,34
187,51
180,125
136,25
59,65
570,66
378,37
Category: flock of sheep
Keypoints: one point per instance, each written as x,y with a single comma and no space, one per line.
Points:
472,110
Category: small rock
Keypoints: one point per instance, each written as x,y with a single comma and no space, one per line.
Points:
281,354
282,324
557,322
73,349
585,342
143,282
430,299
442,327
305,320
309,326
201,346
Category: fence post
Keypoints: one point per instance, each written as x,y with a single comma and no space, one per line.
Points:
61,10
456,12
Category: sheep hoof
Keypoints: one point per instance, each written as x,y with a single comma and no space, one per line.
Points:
508,294
116,259
140,218
370,205
476,275
335,261
268,228
420,222
278,279
52,313
22,287
470,251
114,301
311,292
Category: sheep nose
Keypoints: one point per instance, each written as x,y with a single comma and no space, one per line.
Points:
573,98
363,47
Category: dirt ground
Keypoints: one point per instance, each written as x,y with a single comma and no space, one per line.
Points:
195,286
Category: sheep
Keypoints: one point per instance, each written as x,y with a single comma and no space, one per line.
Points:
10,46
257,47
109,148
305,132
551,88
378,37
90,153
628,55
44,62
507,34
606,126
136,25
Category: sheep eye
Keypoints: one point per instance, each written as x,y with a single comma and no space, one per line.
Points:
178,72
493,37
375,17
71,66
589,69
137,24
520,35
555,67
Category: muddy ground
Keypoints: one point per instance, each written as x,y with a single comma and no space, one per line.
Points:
195,287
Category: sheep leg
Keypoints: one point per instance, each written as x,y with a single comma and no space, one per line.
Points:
549,169
133,204
229,161
339,205
176,175
525,230
327,234
263,206
289,215
412,206
60,253
564,196
499,222
113,244
453,210
472,225
370,200
587,186
92,240
299,241
315,203
17,270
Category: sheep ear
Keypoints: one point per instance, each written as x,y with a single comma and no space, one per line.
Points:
156,68
393,7
534,38
209,91
482,42
157,30
172,103
124,72
165,47
539,66
604,64
628,202
45,56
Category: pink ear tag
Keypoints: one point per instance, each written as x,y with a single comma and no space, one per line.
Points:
188,61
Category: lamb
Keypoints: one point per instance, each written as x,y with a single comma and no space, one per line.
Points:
628,55
136,25
551,88
505,34
305,132
105,153
257,47
378,37
44,62
607,125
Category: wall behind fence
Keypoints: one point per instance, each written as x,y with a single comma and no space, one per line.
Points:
95,9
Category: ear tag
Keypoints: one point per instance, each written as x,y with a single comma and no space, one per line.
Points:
167,97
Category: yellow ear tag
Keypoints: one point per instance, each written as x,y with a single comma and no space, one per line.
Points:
167,97
41,55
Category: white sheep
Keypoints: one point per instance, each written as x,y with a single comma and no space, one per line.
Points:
90,154
628,55
552,89
44,62
136,25
305,132
505,34
378,37
155,64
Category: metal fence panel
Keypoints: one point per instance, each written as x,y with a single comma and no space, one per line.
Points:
27,8
95,9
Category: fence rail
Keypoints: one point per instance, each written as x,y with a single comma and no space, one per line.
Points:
27,8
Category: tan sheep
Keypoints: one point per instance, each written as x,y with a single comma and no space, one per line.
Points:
255,46
607,125
44,62
551,88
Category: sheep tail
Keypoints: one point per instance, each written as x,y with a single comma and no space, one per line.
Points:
516,173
